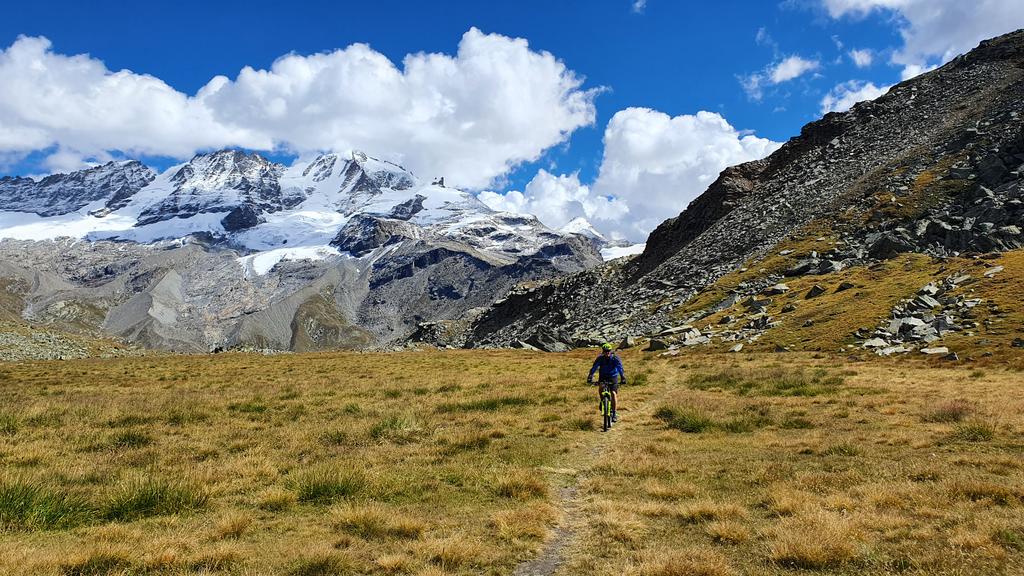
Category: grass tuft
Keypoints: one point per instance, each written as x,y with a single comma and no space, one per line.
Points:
485,405
727,532
974,431
326,484
8,424
685,419
521,486
951,411
816,542
695,562
232,526
153,496
27,506
102,563
131,439
398,429
374,522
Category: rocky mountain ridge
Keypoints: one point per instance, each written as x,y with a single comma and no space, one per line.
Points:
934,167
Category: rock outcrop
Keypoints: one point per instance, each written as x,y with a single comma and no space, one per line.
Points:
934,166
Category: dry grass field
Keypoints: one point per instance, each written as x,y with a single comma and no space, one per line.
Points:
472,462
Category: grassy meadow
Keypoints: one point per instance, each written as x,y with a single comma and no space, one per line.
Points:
473,462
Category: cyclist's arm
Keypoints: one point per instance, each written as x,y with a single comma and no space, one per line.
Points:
593,369
621,371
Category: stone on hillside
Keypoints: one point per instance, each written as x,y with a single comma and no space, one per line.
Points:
829,267
627,342
808,323
935,351
894,326
789,307
887,245
993,271
845,286
1017,343
875,343
952,356
675,330
696,341
736,348
524,346
815,291
727,319
656,345
548,341
754,303
929,289
890,350
776,290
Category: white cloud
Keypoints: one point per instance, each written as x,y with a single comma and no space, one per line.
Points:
790,68
639,6
787,69
470,117
556,200
862,58
657,164
935,31
845,95
653,166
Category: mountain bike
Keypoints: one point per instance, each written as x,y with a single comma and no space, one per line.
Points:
606,405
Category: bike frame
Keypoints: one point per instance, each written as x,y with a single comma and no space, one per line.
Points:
606,405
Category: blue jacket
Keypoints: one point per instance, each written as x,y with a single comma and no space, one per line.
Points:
610,368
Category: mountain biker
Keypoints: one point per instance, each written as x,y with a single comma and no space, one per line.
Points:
609,369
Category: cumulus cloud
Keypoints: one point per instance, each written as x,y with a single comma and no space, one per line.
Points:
845,95
470,117
935,31
639,6
862,58
790,68
556,200
787,69
653,166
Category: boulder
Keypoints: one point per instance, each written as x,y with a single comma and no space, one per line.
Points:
887,245
815,291
776,290
656,345
627,342
548,340
875,343
737,347
938,350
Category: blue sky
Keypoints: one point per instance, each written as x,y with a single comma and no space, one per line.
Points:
674,57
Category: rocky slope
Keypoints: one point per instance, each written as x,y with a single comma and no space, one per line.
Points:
231,249
932,168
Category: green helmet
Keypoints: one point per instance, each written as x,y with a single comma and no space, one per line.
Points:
606,347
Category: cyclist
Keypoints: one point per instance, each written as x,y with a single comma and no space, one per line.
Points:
609,369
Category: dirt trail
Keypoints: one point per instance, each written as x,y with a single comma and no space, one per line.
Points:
553,555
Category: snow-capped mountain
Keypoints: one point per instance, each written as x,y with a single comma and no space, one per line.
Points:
112,183
248,202
389,249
